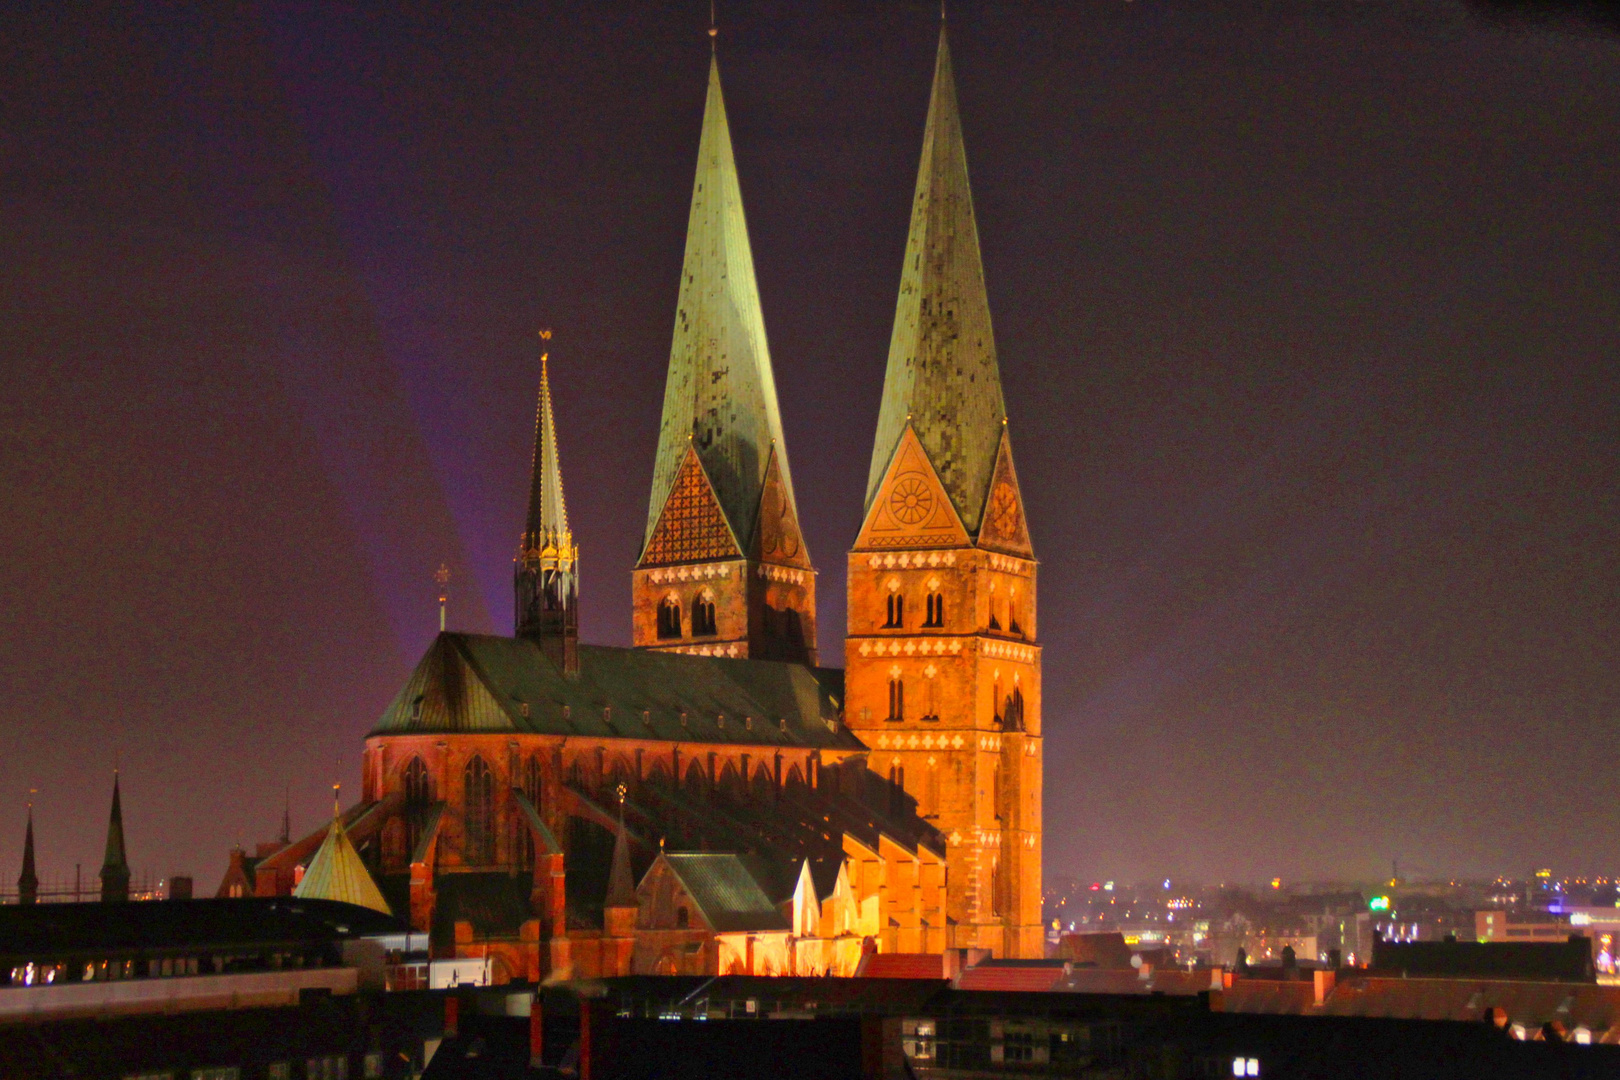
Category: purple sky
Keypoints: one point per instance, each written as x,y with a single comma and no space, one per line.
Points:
1307,313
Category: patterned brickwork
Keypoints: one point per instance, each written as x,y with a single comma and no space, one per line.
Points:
692,527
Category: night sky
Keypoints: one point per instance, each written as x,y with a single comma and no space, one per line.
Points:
1307,316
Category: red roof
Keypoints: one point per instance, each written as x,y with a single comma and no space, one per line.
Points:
1008,977
903,966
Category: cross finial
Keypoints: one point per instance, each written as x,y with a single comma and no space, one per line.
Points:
442,576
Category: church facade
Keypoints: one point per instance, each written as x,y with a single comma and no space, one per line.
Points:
710,799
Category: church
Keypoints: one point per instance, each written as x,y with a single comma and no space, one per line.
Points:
710,800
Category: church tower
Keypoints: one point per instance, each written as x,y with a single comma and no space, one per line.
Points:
546,570
723,569
943,661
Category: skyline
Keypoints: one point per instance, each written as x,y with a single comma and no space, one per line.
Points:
1252,436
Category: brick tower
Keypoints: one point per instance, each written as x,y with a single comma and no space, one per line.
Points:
723,568
943,677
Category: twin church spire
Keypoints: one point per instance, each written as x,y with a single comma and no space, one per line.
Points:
723,569
720,393
942,376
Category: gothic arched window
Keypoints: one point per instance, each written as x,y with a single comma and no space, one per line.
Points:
896,613
669,617
1012,715
703,621
935,610
897,698
479,812
418,785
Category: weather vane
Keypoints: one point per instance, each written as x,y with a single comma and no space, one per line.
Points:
545,335
443,578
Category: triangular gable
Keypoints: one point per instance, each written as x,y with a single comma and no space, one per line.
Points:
777,538
1002,525
691,527
911,508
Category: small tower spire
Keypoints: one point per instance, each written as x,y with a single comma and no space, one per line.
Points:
621,891
115,865
442,576
28,881
546,575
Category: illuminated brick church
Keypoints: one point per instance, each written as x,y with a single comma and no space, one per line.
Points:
709,800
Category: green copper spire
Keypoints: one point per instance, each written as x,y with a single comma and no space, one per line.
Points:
720,395
546,570
942,372
547,522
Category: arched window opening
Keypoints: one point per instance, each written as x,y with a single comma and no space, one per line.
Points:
896,613
1012,618
418,797
998,888
897,699
682,918
479,813
1012,713
935,610
703,619
532,782
418,784
995,624
669,617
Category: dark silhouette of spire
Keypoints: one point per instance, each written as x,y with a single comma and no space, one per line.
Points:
621,892
28,881
115,866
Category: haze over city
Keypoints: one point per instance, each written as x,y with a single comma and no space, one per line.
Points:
1306,320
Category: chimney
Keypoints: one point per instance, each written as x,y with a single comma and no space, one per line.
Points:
180,887
1325,981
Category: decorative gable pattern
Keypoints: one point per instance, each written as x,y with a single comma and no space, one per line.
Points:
777,538
1003,527
692,527
911,508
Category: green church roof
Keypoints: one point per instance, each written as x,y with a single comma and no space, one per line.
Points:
480,682
720,394
942,370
